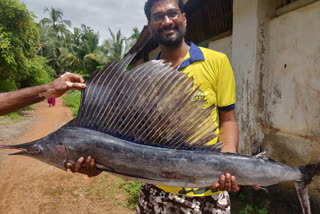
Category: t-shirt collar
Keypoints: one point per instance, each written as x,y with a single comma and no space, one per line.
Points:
195,55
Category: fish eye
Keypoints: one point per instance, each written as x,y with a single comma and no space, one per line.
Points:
37,150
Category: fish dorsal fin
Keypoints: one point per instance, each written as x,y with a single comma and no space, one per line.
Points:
152,104
262,155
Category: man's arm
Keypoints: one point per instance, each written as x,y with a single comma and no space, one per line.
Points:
229,136
229,133
14,100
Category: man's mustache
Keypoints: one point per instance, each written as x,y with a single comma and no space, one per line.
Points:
173,27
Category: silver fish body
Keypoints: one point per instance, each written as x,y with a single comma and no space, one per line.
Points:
163,166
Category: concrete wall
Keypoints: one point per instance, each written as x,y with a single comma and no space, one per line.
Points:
292,79
223,45
276,61
245,38
292,88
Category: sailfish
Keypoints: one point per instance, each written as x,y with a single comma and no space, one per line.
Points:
147,124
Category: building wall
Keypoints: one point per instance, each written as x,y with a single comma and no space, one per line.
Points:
276,60
245,67
292,86
223,45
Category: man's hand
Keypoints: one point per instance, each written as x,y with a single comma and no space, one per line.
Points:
66,81
226,182
90,168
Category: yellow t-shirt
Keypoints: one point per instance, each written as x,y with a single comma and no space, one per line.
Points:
213,72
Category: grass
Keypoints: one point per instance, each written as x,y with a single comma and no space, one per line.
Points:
15,116
72,100
253,209
133,188
117,192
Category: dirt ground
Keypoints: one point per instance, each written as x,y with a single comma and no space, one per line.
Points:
30,186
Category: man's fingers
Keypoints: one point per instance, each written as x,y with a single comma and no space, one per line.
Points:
92,164
70,167
234,187
255,187
79,164
227,184
88,162
72,77
222,182
215,187
77,86
77,78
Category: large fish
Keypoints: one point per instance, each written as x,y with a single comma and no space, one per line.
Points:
150,125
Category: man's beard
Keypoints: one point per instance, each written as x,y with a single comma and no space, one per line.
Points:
170,41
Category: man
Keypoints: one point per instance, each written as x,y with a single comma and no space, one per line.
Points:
14,100
212,70
167,24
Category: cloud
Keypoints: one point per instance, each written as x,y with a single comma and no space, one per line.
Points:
100,15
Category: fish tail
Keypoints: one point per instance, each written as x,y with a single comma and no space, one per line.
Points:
308,172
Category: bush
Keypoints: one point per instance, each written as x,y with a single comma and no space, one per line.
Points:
7,85
38,72
73,101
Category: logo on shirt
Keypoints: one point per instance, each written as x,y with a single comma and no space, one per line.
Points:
200,95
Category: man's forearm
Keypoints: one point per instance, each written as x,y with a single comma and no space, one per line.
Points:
229,137
14,100
229,133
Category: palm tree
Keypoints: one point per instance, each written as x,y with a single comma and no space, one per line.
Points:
55,20
135,34
115,47
54,35
134,37
84,53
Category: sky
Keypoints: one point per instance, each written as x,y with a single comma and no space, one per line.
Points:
97,14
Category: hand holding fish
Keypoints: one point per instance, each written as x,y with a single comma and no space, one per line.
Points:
226,182
14,100
89,169
65,82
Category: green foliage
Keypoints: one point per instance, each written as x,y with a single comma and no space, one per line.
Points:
133,188
83,74
38,72
253,209
19,36
54,35
16,115
116,47
85,50
7,85
243,205
73,101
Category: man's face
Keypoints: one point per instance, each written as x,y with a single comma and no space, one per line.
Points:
167,24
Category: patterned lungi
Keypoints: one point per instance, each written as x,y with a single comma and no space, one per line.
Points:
156,201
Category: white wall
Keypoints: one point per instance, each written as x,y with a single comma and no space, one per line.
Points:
223,45
292,85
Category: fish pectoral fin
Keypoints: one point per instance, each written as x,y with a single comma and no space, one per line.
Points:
104,168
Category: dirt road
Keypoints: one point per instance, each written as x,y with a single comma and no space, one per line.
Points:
30,186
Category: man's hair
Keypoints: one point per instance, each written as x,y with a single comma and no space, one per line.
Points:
149,3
